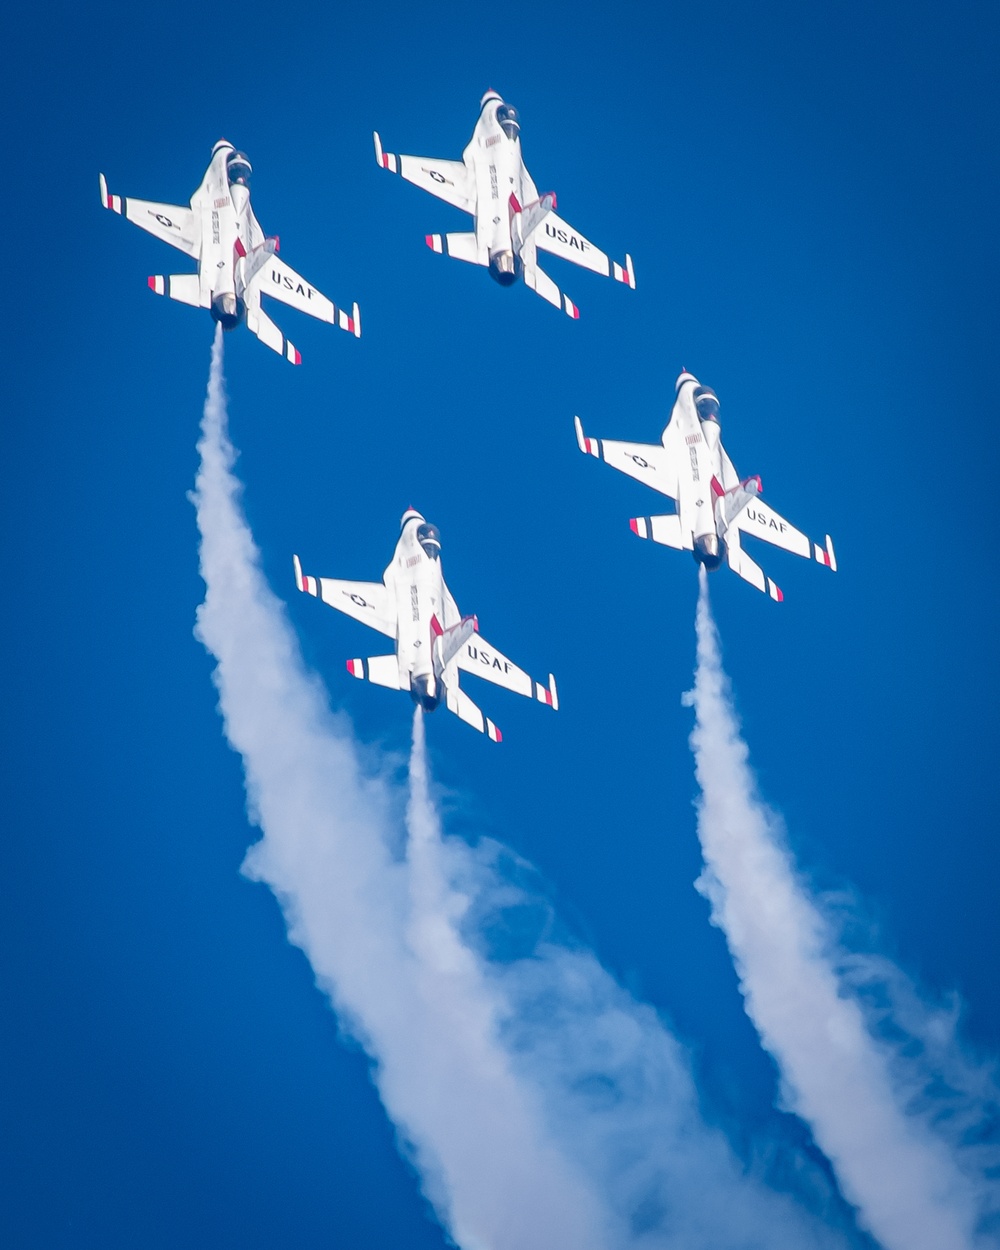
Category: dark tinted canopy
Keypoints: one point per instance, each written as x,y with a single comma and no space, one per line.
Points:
707,403
429,537
508,119
238,169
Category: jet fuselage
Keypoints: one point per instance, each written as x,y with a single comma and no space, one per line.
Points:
223,199
694,423
494,153
416,579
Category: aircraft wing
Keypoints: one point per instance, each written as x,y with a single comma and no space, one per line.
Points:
477,656
280,281
763,522
558,237
368,602
448,180
651,463
173,223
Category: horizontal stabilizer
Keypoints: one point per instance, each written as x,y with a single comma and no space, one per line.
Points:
749,570
661,529
380,670
463,707
539,281
259,323
183,287
462,245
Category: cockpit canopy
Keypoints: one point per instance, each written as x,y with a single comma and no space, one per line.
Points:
509,124
707,403
238,170
429,537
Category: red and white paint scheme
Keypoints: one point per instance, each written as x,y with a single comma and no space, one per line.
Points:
513,222
714,507
434,643
236,263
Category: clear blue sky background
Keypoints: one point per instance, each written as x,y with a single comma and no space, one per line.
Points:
810,196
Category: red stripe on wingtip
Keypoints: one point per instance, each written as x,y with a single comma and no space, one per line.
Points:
781,597
634,525
151,283
499,735
350,324
429,240
350,667
575,314
298,356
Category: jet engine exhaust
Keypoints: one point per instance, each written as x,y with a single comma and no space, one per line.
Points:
708,551
505,267
228,310
420,693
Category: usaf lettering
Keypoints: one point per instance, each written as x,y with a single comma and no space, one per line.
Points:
571,240
284,280
767,522
477,653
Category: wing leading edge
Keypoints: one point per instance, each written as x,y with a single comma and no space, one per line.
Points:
368,602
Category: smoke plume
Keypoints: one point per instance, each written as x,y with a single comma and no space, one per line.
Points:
878,1076
542,1107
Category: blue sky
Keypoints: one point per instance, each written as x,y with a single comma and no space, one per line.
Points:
809,197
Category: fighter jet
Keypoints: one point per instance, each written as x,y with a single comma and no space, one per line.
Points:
714,507
434,642
236,263
512,221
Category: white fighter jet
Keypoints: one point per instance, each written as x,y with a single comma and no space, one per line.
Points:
236,263
713,506
434,642
512,221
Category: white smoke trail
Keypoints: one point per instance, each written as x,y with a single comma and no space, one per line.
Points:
901,1154
496,1181
541,1105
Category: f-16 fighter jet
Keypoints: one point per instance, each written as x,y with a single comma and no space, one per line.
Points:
236,263
714,507
512,221
434,642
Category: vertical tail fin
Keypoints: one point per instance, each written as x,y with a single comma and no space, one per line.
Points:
446,643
